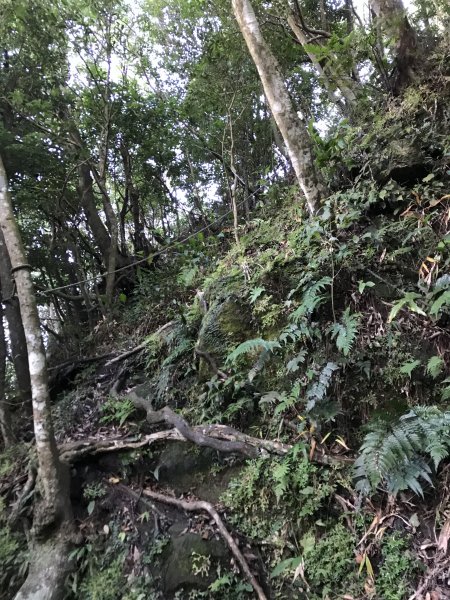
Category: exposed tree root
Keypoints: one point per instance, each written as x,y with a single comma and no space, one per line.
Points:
28,489
193,434
200,505
232,440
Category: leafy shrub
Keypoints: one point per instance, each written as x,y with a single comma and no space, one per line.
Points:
104,583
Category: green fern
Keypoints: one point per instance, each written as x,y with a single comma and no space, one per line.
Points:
345,332
254,345
398,455
312,298
318,391
280,475
442,300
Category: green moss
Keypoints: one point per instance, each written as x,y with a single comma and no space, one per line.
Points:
330,564
104,583
398,569
225,325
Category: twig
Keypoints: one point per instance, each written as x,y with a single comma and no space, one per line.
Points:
211,362
137,348
201,505
138,498
433,573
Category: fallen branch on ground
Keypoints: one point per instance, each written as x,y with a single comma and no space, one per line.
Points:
71,452
432,574
79,361
199,506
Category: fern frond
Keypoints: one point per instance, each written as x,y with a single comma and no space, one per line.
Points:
346,331
253,345
311,299
259,365
280,475
318,391
399,454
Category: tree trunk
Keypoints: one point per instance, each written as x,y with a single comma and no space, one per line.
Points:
330,76
394,23
291,127
53,521
15,327
5,412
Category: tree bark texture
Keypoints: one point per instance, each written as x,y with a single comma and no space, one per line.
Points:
16,332
330,76
294,132
394,23
53,522
5,412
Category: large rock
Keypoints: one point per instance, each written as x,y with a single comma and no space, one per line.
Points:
226,324
178,570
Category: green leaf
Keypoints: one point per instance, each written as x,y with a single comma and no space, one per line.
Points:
407,301
443,299
284,565
435,366
408,368
363,284
91,507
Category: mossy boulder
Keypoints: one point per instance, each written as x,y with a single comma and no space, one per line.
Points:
226,324
178,561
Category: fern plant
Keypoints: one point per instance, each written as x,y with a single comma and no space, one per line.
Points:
398,455
346,331
312,298
317,392
251,346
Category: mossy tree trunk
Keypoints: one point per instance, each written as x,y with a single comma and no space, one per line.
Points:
394,22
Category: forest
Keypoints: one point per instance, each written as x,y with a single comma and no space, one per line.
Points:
224,299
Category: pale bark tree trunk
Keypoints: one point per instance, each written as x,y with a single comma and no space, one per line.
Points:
294,132
16,333
330,76
393,21
53,521
5,412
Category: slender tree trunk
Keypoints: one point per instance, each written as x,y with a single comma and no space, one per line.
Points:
53,521
393,20
15,327
5,412
330,77
291,127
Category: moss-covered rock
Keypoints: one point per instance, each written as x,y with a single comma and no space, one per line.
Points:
226,324
189,561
